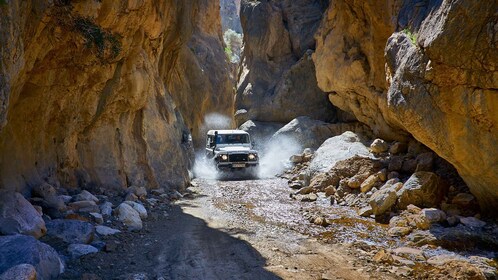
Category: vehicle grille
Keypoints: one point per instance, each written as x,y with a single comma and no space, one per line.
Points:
237,157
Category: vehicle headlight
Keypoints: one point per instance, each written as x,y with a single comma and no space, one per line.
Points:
252,156
224,157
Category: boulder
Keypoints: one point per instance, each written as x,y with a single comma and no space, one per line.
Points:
384,199
296,159
106,208
140,192
369,183
97,218
336,149
463,199
399,231
395,163
433,215
398,148
139,208
84,206
323,180
422,189
86,196
365,211
76,251
261,132
379,146
21,250
425,161
129,216
71,231
17,215
44,190
103,230
131,197
20,272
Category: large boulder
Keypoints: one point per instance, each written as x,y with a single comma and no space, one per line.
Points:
20,272
261,132
336,149
310,133
422,189
20,249
17,215
129,216
384,199
71,231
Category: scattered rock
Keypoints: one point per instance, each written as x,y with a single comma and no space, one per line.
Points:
78,250
308,198
422,189
44,191
383,257
17,215
413,209
305,190
139,208
97,217
297,159
383,175
323,180
410,253
296,185
71,231
129,216
320,221
452,221
396,163
103,230
409,166
398,221
330,191
472,222
140,192
355,182
433,215
86,196
131,197
398,148
379,146
369,183
399,231
392,175
382,200
21,249
20,272
106,208
86,206
365,211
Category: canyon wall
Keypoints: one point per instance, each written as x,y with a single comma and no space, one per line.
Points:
277,82
103,93
425,69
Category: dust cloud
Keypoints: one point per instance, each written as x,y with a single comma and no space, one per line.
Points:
274,153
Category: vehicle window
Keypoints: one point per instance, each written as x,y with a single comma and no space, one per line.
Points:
233,139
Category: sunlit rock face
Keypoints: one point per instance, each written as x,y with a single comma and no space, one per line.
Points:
425,69
101,93
277,82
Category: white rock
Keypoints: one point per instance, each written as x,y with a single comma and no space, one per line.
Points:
86,195
106,208
78,250
103,230
433,215
139,208
129,216
97,217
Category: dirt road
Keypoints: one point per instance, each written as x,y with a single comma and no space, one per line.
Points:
234,230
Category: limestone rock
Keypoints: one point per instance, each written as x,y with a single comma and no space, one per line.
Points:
261,132
399,231
76,251
21,250
20,272
379,146
86,196
369,183
472,222
336,149
382,200
422,189
365,211
106,208
103,230
97,218
398,148
71,231
84,206
433,215
139,208
129,216
17,215
463,199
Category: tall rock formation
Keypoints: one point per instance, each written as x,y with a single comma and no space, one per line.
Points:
230,15
427,69
277,82
101,93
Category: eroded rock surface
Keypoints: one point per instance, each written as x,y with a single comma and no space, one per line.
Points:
435,78
100,93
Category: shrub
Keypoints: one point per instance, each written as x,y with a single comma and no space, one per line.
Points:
411,36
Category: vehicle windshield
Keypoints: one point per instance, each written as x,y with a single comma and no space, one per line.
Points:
232,139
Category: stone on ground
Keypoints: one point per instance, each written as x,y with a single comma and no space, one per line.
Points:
129,216
71,231
106,208
383,200
20,272
103,230
472,222
139,208
21,249
76,251
379,146
17,215
422,189
86,196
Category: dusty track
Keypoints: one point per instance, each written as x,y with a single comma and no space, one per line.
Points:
226,230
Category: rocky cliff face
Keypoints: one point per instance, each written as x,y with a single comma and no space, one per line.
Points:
426,69
100,93
278,81
230,19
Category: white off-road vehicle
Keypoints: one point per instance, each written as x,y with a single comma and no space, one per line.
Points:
231,150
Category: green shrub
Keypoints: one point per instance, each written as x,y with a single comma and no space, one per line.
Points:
411,36
98,38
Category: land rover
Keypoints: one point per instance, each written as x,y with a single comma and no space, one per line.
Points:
231,150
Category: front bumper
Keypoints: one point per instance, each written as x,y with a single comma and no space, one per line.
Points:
237,165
